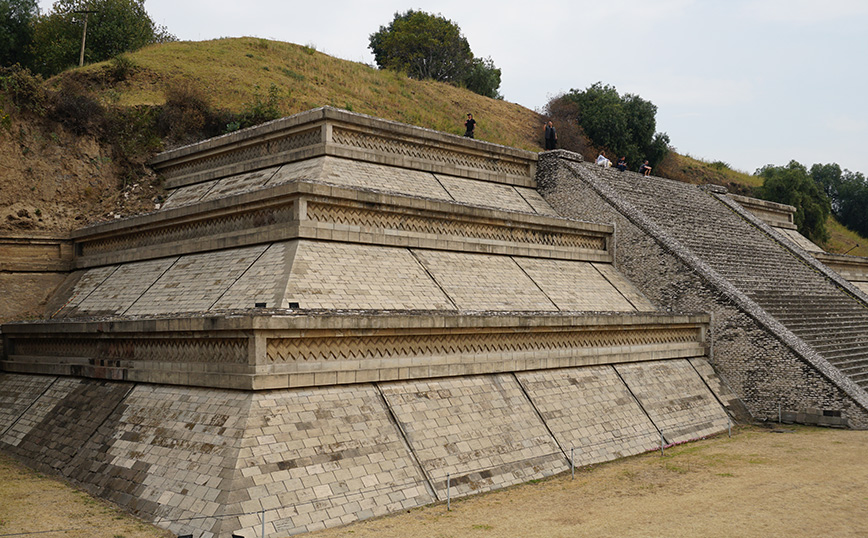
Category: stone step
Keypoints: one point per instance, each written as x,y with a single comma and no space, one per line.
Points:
819,330
843,357
855,366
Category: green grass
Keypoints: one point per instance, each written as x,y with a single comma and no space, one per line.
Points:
228,71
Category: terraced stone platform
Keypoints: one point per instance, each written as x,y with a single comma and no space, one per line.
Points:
335,317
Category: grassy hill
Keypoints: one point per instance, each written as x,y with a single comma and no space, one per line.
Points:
81,156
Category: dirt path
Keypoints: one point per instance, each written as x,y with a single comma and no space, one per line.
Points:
798,483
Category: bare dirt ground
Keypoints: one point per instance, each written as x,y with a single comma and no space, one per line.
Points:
53,181
785,482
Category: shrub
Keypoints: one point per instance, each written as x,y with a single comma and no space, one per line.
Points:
121,67
187,115
77,110
24,88
261,108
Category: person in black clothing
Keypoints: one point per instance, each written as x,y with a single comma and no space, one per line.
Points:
469,125
551,136
622,164
645,170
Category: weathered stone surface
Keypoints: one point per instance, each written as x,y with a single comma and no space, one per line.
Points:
591,413
480,430
687,249
335,317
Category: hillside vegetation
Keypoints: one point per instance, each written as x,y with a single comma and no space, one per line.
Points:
83,160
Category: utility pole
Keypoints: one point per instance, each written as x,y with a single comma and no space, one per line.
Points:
83,34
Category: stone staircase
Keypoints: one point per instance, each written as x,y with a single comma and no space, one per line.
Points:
816,309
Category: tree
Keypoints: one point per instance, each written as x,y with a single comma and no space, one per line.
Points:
853,202
16,30
623,125
828,178
847,192
117,26
483,78
792,185
429,46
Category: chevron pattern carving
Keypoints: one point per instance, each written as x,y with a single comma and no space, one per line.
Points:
356,216
428,153
199,350
190,230
468,344
246,153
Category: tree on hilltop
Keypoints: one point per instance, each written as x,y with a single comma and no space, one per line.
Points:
426,46
625,125
117,26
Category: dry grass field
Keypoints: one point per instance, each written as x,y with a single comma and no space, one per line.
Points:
784,482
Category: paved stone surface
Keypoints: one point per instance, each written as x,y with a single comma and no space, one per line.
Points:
537,202
194,283
625,287
240,183
483,193
591,411
576,286
675,397
482,282
481,430
264,282
18,393
88,281
190,194
323,457
341,275
116,294
307,169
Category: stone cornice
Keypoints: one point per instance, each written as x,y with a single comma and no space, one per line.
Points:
314,349
304,210
334,132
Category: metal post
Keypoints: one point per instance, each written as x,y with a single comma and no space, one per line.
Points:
662,441
448,494
572,465
729,426
779,413
263,523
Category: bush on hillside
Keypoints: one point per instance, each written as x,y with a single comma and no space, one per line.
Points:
187,115
624,125
562,113
77,110
261,108
24,89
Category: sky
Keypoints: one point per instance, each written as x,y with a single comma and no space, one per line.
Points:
746,82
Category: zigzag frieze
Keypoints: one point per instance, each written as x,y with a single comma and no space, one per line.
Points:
247,153
384,347
200,350
354,216
190,230
423,152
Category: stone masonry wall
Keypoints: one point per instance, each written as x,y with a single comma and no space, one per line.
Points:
765,372
210,461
